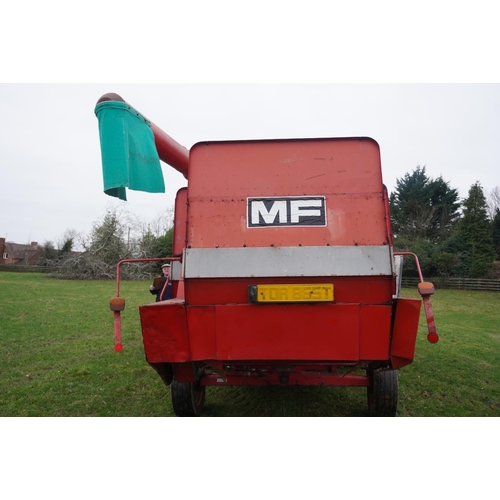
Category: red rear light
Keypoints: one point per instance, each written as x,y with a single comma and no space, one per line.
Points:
432,338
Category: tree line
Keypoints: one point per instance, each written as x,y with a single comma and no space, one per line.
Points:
115,237
452,237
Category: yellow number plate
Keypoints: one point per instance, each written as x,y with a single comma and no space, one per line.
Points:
320,292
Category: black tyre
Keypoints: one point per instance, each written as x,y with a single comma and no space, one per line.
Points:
188,400
383,393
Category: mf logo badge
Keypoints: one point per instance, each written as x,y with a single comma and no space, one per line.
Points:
286,211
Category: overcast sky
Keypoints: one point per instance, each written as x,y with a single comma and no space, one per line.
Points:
50,164
51,178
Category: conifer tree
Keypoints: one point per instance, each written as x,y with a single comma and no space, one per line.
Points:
423,208
475,229
495,232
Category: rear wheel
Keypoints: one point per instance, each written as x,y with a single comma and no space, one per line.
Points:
188,400
383,393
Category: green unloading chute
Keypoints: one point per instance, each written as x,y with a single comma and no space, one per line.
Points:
128,151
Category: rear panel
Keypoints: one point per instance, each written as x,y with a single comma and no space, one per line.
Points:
285,209
283,212
225,177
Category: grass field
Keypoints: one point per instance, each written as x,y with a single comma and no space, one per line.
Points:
57,359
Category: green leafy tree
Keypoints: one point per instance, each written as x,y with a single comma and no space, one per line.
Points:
475,229
67,246
425,250
107,239
145,244
49,254
423,208
156,246
449,258
162,246
150,245
103,249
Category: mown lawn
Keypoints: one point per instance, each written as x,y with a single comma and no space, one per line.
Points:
57,359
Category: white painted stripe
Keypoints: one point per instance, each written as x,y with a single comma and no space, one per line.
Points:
287,261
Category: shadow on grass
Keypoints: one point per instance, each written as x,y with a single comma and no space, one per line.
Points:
273,401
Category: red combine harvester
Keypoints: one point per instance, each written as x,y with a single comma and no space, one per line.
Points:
283,266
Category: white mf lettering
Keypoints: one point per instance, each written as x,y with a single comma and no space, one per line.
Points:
297,209
269,216
286,211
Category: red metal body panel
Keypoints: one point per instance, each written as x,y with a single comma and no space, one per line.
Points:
350,165
219,323
180,222
310,332
164,331
374,332
223,175
299,332
404,335
362,289
353,220
184,372
202,332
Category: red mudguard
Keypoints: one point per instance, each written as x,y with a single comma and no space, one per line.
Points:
404,333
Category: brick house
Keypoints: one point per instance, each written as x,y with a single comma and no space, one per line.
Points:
18,254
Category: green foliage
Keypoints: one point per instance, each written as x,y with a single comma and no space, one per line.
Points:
103,250
49,253
443,260
107,239
423,208
445,203
51,256
495,232
426,221
475,229
156,246
150,245
449,256
425,250
67,246
446,264
145,244
409,205
163,244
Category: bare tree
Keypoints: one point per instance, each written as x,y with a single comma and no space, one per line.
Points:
493,200
116,236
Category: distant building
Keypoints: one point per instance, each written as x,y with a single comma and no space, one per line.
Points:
18,254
